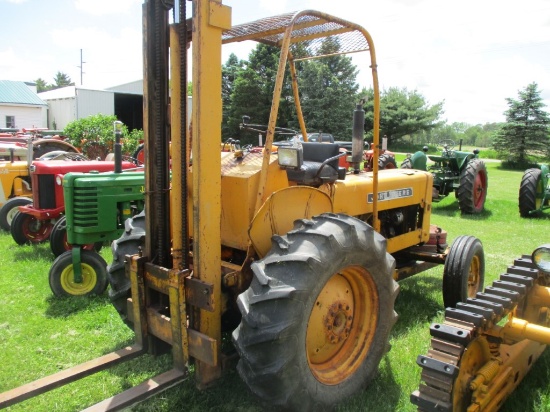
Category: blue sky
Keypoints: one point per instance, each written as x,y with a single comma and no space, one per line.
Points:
470,54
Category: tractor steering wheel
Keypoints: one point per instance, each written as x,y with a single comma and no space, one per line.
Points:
446,145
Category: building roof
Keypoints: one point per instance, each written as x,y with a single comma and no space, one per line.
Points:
61,93
15,92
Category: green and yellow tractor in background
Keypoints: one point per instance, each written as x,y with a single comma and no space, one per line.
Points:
454,171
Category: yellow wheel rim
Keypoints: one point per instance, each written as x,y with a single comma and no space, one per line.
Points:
474,277
342,325
89,280
474,357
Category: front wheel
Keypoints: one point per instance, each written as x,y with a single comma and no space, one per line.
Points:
9,209
26,229
531,193
464,271
472,191
94,275
317,316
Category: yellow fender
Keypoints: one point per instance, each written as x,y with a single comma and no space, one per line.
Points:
281,209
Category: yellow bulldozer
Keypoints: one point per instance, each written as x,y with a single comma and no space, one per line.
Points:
295,258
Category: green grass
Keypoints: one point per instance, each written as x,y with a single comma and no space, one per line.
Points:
40,334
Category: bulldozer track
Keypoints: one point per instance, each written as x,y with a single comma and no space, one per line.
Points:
462,325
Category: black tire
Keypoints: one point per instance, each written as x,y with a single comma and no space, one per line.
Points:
317,316
9,209
386,161
94,275
26,229
58,239
129,243
406,164
138,158
464,271
530,193
46,145
472,192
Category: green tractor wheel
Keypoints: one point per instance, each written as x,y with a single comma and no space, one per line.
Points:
94,275
531,191
472,192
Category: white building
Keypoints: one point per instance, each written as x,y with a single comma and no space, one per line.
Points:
20,106
75,102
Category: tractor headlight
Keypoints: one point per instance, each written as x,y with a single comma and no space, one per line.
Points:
59,180
541,258
290,157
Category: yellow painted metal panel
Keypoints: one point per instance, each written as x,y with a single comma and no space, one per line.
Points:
282,208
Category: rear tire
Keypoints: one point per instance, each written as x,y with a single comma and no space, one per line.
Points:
58,239
464,271
317,316
26,229
9,209
472,192
129,243
406,164
94,275
530,193
386,161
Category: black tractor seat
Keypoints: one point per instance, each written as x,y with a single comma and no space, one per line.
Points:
320,165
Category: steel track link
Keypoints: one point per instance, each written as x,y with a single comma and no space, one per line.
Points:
440,366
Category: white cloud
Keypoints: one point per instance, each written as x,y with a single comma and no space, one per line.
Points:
104,7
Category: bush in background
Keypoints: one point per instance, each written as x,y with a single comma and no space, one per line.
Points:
94,136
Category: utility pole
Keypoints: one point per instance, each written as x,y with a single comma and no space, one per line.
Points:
81,66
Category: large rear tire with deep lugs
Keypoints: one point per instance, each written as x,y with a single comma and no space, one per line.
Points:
129,243
317,316
472,192
531,191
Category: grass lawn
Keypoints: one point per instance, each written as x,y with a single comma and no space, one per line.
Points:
41,334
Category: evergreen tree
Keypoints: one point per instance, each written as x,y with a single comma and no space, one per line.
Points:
253,91
62,80
402,113
328,91
230,72
526,128
41,85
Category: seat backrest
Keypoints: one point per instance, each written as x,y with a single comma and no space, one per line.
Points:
319,152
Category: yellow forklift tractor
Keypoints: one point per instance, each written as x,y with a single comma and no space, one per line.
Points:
294,257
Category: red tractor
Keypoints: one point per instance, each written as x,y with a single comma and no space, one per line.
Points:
43,218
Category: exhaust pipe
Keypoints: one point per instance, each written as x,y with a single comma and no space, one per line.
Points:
357,142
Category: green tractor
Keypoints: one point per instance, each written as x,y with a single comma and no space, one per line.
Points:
454,171
97,206
534,193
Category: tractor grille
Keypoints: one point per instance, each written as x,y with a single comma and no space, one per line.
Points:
85,206
46,192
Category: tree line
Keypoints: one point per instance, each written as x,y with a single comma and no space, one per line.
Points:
60,80
329,93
